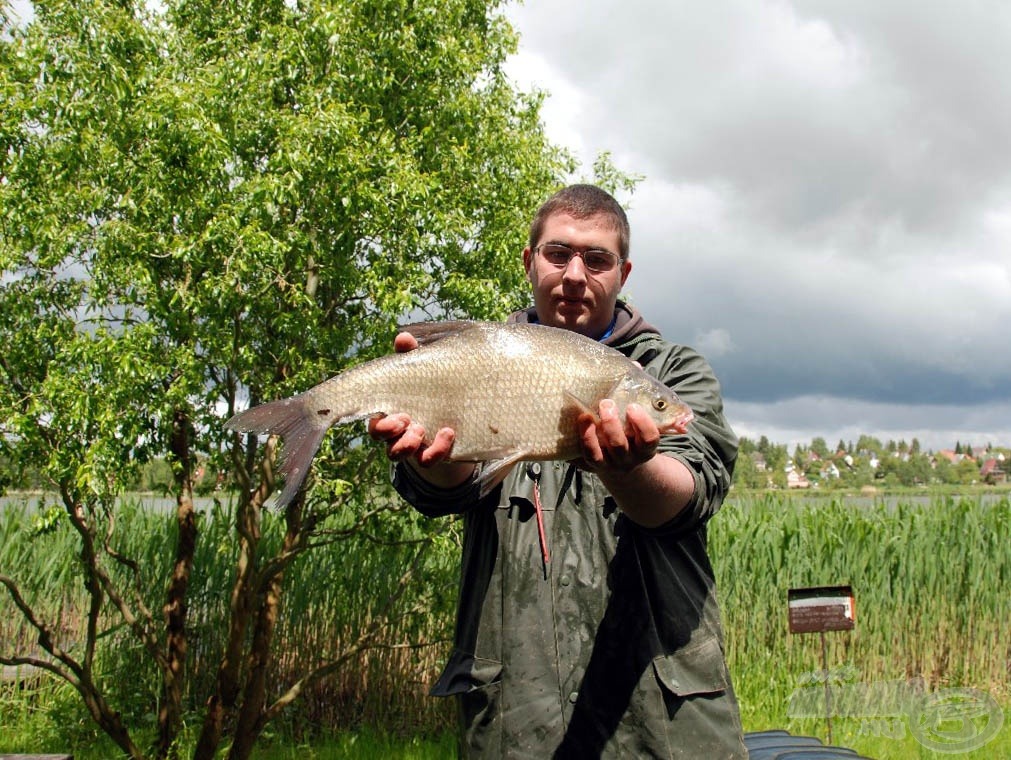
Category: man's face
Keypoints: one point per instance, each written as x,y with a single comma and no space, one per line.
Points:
572,296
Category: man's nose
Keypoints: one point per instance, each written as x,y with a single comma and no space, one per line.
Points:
575,270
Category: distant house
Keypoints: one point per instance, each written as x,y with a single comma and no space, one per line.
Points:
759,459
829,470
795,479
991,472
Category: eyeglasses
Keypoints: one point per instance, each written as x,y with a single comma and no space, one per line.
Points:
594,259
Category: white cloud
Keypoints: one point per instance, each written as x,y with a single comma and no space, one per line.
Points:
827,209
715,343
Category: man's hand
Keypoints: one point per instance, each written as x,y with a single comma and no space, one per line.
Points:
611,444
649,489
405,439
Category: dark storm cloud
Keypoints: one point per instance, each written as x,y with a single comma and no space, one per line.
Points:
827,204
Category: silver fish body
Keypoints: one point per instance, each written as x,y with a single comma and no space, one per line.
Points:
511,392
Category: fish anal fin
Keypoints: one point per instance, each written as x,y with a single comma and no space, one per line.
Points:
300,447
495,471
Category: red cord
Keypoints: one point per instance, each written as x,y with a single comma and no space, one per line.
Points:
540,525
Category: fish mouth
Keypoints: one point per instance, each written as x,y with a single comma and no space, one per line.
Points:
680,421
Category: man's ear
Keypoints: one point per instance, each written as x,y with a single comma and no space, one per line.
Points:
626,268
528,263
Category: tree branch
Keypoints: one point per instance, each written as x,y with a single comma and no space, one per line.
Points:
361,643
75,673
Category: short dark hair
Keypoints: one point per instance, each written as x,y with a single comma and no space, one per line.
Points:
582,202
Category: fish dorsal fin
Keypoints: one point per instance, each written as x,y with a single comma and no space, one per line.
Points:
430,332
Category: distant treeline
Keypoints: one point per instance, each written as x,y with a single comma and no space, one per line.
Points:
763,464
155,477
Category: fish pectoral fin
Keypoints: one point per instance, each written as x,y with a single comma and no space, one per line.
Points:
496,470
580,406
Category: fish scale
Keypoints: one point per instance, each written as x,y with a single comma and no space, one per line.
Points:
510,392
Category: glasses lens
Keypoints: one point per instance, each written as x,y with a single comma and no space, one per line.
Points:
599,261
595,259
558,255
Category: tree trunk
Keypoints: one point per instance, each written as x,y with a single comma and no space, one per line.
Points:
251,721
229,681
176,607
222,702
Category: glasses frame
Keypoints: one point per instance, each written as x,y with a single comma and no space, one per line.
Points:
614,257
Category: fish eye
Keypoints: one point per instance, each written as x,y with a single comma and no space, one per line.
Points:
659,404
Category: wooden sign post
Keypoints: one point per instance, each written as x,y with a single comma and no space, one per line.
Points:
817,610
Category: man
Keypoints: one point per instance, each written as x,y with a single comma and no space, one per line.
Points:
614,647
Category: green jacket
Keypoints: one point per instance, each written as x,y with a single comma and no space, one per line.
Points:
614,648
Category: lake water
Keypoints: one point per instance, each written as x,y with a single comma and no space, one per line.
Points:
167,504
154,502
890,500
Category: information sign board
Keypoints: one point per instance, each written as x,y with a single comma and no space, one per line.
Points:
822,608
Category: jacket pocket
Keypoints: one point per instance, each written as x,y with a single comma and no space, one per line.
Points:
464,673
476,682
696,669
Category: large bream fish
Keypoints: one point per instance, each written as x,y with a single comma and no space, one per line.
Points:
510,391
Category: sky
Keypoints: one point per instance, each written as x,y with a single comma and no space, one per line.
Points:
825,209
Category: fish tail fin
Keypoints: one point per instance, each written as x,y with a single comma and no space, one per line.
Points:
301,432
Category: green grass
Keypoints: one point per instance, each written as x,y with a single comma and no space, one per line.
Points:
931,583
366,745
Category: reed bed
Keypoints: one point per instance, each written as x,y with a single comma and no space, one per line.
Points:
331,595
930,581
931,584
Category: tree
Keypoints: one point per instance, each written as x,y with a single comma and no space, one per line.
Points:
207,205
746,474
869,444
800,456
967,472
918,469
944,470
776,457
